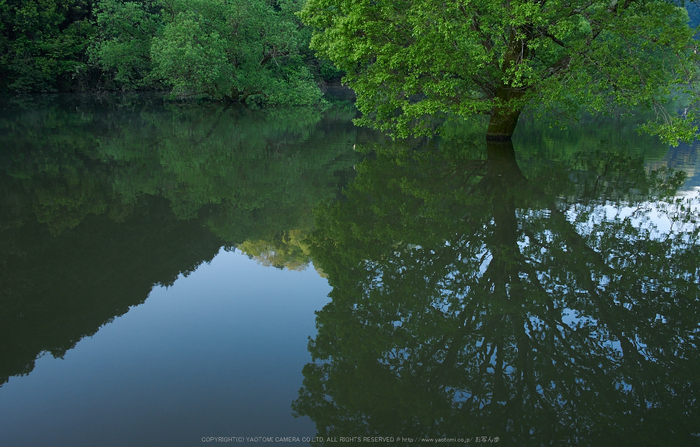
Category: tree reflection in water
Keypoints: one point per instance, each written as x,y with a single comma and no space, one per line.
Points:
102,203
559,307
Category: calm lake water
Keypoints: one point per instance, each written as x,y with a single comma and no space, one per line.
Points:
184,275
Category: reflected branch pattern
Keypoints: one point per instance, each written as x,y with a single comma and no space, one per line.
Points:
470,299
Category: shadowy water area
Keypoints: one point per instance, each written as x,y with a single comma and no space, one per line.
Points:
171,274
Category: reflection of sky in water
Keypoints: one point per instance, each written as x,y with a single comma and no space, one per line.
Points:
658,221
655,216
219,353
685,157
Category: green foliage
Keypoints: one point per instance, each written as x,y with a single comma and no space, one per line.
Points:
412,62
253,51
284,250
241,50
328,72
43,44
123,43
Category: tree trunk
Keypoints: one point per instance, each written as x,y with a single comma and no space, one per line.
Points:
502,124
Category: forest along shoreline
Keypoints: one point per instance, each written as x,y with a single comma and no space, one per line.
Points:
254,52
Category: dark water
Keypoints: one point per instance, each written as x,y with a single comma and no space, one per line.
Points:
162,269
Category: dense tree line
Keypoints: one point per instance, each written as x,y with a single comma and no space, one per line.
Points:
253,51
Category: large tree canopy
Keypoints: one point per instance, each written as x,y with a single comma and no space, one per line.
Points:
412,61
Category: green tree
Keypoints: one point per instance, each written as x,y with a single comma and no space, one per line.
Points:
122,47
411,62
239,50
43,43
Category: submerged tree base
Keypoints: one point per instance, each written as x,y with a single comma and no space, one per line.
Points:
502,124
490,137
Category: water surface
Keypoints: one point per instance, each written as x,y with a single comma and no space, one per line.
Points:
162,268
